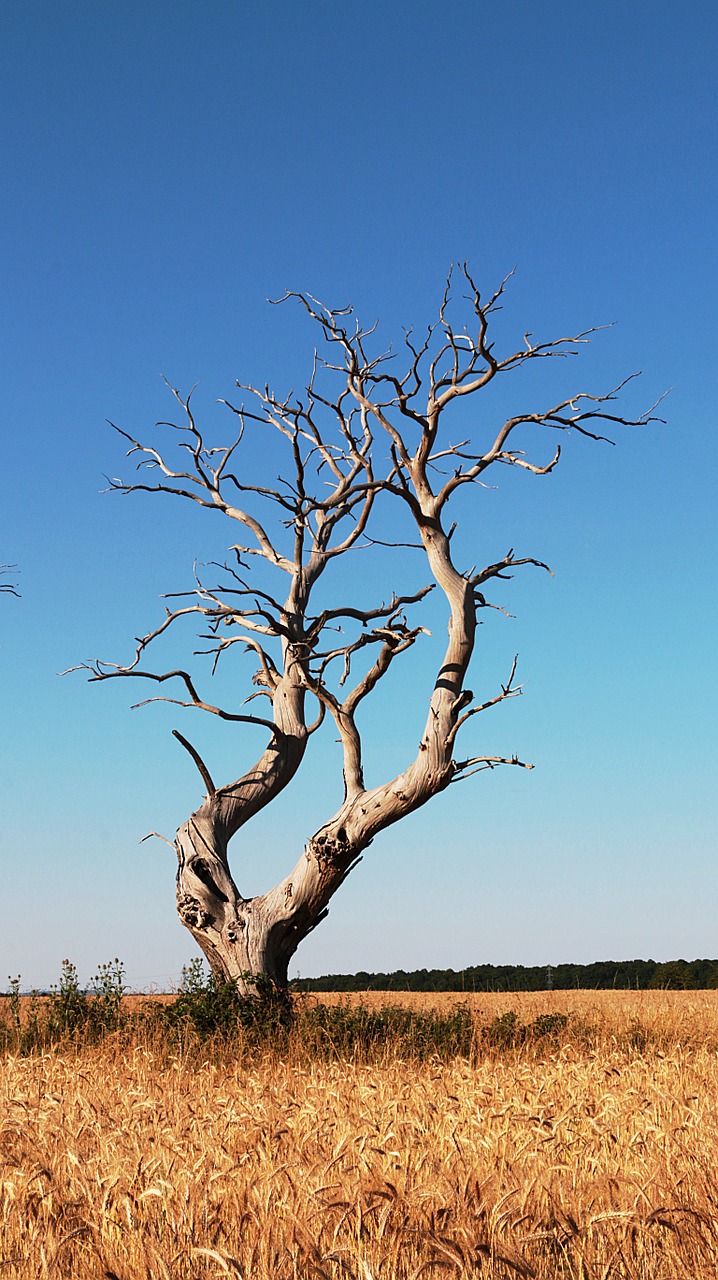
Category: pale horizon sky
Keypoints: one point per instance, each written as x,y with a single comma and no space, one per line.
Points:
169,168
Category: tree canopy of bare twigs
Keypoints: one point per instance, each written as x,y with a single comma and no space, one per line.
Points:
371,427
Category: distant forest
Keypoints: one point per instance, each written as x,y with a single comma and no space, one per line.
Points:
621,975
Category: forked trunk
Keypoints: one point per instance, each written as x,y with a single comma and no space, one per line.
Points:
251,941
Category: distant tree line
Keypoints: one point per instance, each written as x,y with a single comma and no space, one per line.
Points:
621,975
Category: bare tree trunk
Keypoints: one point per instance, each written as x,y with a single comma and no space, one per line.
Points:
250,941
233,931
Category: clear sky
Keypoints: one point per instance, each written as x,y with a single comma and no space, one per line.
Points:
166,168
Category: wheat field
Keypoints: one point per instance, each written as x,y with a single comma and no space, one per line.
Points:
591,1157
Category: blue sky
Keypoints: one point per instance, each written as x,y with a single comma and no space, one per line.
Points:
169,167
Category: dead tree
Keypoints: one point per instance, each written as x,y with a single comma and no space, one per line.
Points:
369,429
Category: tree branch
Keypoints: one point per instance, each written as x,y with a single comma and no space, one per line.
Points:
9,588
463,768
507,691
204,771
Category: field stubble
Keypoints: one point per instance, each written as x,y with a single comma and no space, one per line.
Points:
590,1153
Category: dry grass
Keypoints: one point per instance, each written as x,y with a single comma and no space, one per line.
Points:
675,1012
591,1157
